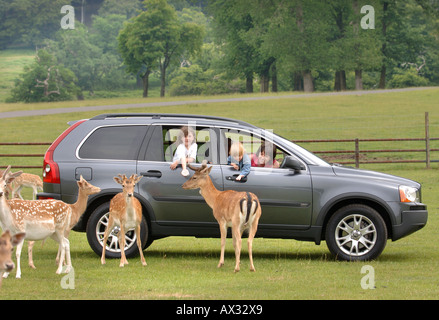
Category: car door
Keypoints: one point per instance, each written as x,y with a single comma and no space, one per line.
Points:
161,186
285,195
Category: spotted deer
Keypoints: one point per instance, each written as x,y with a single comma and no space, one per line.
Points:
239,210
85,189
7,242
125,212
39,219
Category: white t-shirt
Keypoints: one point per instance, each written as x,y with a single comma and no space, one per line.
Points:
182,152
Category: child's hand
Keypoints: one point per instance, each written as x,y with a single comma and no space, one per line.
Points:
238,178
235,166
173,166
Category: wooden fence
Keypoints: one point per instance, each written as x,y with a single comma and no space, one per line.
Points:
349,155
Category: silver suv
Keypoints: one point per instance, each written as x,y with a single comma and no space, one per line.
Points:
303,197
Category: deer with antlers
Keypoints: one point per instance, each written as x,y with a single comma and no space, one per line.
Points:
7,242
40,220
239,210
125,212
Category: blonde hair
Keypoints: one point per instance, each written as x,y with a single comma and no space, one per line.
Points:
237,149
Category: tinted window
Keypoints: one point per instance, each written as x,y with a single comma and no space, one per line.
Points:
121,143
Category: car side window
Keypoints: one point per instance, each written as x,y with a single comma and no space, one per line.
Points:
114,143
262,152
206,145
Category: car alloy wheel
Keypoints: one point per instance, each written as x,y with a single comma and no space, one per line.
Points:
356,232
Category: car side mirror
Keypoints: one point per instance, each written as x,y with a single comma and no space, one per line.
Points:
291,163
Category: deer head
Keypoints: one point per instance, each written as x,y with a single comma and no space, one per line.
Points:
199,178
7,242
127,183
6,180
87,187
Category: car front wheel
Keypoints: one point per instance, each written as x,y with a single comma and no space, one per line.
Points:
356,233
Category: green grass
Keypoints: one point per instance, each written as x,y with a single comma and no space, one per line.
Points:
185,268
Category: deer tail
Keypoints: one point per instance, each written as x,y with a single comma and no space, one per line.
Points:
248,207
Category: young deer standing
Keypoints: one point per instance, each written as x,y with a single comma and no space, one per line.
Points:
125,212
7,242
239,210
85,189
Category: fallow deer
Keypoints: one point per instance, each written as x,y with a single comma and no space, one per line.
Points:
24,180
27,180
85,189
239,210
7,242
125,212
40,220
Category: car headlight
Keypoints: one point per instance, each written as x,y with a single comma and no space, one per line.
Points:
408,194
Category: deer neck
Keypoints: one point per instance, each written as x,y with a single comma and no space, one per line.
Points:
6,219
209,192
78,208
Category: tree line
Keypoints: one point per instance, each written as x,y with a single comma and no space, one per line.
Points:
190,47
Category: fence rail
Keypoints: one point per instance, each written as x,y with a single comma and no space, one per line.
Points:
356,155
357,152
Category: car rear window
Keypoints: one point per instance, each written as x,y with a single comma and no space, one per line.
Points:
113,142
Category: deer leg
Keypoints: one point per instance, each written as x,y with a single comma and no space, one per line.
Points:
18,255
67,255
123,259
139,245
223,230
30,245
251,236
110,227
62,246
237,242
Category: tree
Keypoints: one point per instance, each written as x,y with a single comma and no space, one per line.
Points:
44,80
75,50
156,38
29,22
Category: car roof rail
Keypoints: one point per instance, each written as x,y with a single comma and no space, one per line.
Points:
167,115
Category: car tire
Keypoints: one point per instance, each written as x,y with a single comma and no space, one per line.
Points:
96,226
356,233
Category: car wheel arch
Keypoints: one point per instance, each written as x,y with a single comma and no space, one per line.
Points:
330,209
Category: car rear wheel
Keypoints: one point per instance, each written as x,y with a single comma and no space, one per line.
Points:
96,226
356,233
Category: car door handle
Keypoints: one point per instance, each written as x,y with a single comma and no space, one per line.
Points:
152,174
233,178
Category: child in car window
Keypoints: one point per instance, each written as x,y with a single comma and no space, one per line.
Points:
239,160
186,151
265,156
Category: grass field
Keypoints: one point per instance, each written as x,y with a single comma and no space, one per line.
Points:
185,268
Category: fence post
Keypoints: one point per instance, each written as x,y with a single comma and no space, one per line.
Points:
357,153
427,140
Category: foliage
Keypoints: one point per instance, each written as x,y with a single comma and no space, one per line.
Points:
59,86
156,38
194,81
29,22
407,78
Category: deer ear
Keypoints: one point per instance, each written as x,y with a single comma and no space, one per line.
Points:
118,180
16,239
